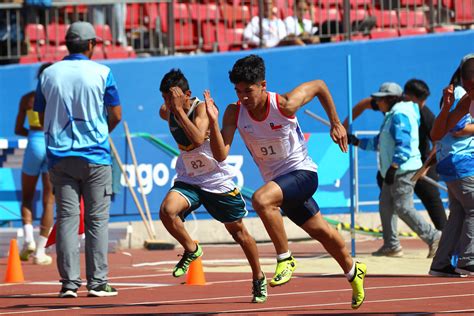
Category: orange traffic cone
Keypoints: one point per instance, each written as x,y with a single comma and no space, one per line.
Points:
195,274
14,272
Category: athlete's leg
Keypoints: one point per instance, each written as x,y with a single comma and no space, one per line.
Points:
331,240
28,186
241,235
266,202
173,204
48,203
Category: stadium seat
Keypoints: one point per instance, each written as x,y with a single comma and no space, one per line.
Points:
412,3
385,18
328,3
103,31
383,33
29,59
464,12
56,33
323,15
214,36
134,16
361,4
412,31
235,16
412,19
444,28
184,36
35,33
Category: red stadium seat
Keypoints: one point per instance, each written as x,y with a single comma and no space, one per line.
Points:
464,12
236,16
412,31
134,16
385,18
57,33
323,15
328,3
29,59
103,31
412,3
383,33
444,28
412,19
35,33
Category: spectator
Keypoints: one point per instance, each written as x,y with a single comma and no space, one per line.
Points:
447,120
34,165
79,106
114,15
417,91
300,29
274,29
455,152
11,36
397,143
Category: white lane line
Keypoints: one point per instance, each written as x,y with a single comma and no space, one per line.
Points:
273,295
273,308
345,303
224,261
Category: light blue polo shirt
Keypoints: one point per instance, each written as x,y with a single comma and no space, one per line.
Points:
74,94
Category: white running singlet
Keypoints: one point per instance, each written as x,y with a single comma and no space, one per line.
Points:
276,143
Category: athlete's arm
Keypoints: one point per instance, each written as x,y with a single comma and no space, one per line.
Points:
446,120
468,130
20,118
114,116
195,130
292,101
359,108
221,140
164,112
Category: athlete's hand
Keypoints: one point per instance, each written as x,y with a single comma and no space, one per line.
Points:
339,136
211,108
178,99
448,98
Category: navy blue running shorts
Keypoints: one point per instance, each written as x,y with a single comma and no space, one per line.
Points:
298,188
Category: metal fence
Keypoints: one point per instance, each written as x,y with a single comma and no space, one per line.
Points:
141,27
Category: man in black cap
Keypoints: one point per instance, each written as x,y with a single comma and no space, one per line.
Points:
79,106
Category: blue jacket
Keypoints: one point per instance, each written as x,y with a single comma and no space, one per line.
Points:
455,155
398,139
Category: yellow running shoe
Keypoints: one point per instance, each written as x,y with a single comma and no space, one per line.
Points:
357,283
283,272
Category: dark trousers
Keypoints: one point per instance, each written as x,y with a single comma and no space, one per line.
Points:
430,197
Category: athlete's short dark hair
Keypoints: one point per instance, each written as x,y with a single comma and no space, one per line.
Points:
250,69
417,88
174,78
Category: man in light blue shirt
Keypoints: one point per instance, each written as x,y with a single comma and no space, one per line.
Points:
79,106
400,158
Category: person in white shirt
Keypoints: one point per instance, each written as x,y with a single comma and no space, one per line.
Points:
269,127
299,28
274,29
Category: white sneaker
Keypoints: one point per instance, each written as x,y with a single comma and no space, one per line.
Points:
27,250
43,260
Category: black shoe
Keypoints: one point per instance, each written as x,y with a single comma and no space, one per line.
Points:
103,291
467,270
447,271
68,293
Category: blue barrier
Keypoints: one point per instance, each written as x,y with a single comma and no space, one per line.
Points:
431,58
